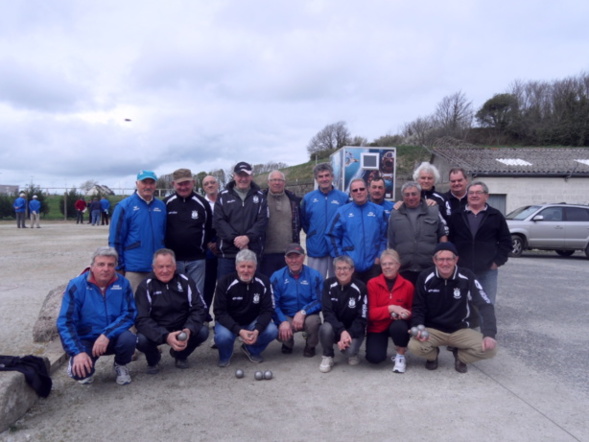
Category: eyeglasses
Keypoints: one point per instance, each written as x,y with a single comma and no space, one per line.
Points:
477,192
343,269
411,194
358,189
209,183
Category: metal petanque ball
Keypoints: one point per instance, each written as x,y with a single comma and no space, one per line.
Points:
414,331
239,373
259,375
421,327
267,375
182,336
424,334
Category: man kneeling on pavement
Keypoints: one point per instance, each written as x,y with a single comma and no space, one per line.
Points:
297,293
169,304
96,313
442,302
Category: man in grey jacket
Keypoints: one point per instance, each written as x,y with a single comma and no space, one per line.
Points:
414,230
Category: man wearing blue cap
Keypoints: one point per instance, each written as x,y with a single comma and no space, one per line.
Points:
138,228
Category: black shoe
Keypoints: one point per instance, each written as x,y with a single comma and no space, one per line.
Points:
433,365
286,350
309,352
182,363
460,367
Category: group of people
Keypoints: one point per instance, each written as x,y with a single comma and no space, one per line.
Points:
375,271
20,210
98,211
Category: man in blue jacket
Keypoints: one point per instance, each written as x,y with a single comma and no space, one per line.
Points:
138,228
35,211
20,208
317,209
359,230
297,293
96,313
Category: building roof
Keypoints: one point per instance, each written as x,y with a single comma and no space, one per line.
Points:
518,161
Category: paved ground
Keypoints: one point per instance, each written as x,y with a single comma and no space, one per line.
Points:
535,389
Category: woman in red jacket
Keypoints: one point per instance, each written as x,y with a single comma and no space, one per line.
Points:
390,297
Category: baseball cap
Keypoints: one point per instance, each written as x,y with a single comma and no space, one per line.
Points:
243,167
446,246
181,175
146,174
294,248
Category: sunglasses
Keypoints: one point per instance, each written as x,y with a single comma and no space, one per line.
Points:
359,189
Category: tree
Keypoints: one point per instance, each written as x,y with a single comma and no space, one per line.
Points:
87,185
31,190
70,199
453,116
420,131
330,138
498,112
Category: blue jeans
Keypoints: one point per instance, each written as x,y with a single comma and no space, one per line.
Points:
95,217
123,347
225,338
196,271
488,280
153,355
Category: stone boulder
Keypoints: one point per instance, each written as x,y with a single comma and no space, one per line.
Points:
45,329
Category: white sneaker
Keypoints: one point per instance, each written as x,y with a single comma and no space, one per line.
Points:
123,375
353,360
326,364
86,381
400,364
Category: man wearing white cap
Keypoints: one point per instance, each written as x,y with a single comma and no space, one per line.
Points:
137,229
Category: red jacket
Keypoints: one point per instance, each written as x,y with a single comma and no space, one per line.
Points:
379,299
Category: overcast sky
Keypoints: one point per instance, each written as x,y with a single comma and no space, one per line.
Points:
207,83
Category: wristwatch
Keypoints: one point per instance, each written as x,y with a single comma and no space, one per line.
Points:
304,312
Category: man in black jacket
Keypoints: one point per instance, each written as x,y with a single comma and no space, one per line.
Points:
189,227
481,236
240,218
443,295
168,304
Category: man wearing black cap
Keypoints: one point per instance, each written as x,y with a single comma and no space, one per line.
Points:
297,294
441,304
189,227
240,218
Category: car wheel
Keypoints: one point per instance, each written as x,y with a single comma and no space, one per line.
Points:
517,245
565,252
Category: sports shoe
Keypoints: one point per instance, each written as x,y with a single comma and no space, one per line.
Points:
86,381
286,349
123,375
433,365
460,367
182,363
309,352
253,358
326,364
224,364
153,369
400,364
353,360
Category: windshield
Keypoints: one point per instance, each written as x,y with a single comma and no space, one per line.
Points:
522,213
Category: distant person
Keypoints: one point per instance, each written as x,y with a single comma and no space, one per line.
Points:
414,230
284,222
137,229
240,219
96,313
443,296
211,189
377,191
168,304
20,209
344,307
390,299
359,230
317,209
243,308
35,211
80,206
297,295
104,211
189,227
95,209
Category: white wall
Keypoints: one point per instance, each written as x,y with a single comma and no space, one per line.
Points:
524,191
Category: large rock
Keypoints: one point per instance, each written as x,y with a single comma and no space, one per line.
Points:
45,329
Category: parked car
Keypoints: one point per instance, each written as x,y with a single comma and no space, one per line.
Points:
561,227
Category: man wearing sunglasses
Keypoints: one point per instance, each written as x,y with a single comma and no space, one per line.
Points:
359,230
